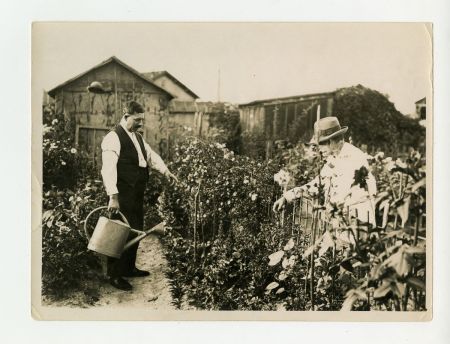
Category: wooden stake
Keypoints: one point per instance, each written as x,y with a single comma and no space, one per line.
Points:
416,229
195,220
293,219
311,282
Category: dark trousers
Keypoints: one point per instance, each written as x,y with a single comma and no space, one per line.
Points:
131,202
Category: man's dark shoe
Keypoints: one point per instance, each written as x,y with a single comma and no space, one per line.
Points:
120,283
137,273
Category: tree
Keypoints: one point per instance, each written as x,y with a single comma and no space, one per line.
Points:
374,121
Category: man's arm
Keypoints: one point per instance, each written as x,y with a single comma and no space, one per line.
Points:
110,156
298,191
295,193
156,162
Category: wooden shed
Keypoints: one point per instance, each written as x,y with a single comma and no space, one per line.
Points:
264,122
421,109
95,114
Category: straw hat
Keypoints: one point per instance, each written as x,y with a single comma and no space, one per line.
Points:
326,128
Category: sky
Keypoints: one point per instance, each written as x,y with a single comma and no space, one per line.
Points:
256,60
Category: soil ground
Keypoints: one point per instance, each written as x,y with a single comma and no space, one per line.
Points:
152,291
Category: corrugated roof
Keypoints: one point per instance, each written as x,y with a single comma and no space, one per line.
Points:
186,106
101,64
289,99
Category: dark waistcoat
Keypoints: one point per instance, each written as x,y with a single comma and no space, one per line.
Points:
128,170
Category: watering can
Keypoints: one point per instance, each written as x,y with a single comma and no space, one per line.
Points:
110,236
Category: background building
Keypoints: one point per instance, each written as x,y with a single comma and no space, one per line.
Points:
264,122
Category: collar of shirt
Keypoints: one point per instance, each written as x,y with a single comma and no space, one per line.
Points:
348,150
345,162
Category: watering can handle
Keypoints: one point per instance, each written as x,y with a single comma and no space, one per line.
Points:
97,209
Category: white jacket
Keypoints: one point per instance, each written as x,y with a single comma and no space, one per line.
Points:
337,177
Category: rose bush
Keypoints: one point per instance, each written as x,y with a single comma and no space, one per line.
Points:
218,190
226,250
381,268
71,189
218,217
66,261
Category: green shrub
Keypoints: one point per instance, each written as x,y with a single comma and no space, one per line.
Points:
71,189
66,261
218,190
227,251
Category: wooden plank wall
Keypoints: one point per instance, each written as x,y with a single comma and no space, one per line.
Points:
291,120
275,120
100,112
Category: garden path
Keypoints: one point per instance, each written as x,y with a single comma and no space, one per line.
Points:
151,292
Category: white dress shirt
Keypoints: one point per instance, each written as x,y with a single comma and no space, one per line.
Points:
110,156
337,177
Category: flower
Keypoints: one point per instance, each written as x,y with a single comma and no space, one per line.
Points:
73,151
228,155
220,145
282,178
254,197
54,121
400,163
63,163
379,155
389,164
46,129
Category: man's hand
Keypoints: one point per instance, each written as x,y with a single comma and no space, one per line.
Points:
279,204
113,205
172,178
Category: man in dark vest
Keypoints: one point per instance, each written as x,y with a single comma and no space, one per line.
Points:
126,159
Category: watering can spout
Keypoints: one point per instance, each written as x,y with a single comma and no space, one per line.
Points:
159,229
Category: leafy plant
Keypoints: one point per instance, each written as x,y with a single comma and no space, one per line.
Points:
227,251
66,262
71,189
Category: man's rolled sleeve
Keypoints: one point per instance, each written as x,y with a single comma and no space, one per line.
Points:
154,160
293,193
298,191
110,156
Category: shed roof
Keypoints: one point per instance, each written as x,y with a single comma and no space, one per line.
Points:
158,74
290,99
183,106
101,64
421,101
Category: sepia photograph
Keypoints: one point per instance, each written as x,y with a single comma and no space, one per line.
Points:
232,171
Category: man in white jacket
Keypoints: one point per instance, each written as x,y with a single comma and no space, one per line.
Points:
343,163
